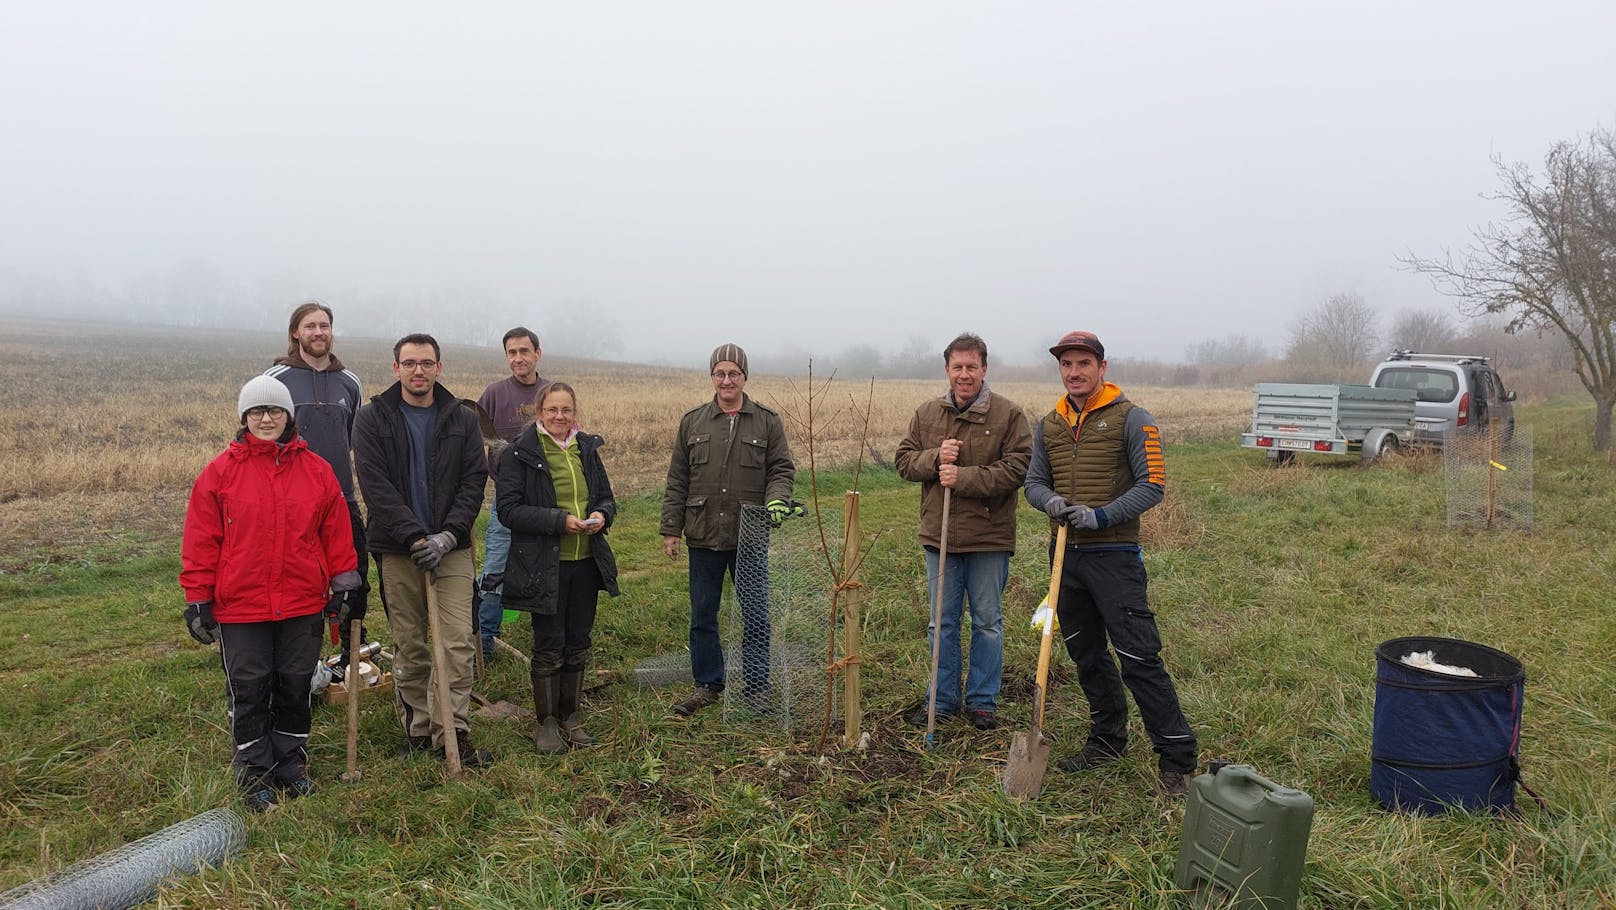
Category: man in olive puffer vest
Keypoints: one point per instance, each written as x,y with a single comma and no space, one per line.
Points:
1096,467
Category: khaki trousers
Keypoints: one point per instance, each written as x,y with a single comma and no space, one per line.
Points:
404,600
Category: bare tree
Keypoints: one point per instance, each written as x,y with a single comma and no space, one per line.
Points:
1229,351
1431,331
1339,335
1551,264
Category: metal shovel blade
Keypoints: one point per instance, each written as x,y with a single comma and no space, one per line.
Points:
1029,759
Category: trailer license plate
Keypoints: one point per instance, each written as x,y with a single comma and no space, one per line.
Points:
1295,444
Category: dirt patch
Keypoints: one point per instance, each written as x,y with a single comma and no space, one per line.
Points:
637,800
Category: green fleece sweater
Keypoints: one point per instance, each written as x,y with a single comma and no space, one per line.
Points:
572,494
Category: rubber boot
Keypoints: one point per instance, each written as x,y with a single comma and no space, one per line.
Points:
546,730
572,720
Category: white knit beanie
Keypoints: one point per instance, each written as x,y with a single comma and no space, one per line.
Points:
263,391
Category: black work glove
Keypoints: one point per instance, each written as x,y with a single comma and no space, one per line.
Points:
430,550
352,607
200,623
333,608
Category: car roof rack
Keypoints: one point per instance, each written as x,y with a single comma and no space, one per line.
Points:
1445,358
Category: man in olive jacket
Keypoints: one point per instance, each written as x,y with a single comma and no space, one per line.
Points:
730,452
1096,466
419,456
975,444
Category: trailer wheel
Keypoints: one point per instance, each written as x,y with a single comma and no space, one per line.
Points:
1280,458
1380,445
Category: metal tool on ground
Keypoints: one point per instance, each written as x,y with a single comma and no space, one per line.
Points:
937,624
334,669
440,677
1029,752
352,775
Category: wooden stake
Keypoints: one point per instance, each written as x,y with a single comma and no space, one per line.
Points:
354,683
852,710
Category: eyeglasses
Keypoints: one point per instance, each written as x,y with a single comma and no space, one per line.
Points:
728,375
261,413
410,366
558,412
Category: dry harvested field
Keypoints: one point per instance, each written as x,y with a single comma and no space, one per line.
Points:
103,428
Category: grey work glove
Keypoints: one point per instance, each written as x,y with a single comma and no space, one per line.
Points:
200,623
1055,507
430,550
1081,517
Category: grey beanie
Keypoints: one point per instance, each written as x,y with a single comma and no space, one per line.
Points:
730,352
264,391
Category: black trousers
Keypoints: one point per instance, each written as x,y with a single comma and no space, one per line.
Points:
1103,602
561,639
269,667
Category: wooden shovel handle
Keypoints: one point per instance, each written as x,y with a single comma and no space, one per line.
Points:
1046,643
355,682
937,622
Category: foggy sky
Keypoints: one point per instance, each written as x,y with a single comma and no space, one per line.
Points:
809,175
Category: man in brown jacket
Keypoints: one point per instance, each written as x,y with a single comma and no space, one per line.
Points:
730,451
977,445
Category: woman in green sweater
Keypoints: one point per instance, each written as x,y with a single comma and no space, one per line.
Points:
553,493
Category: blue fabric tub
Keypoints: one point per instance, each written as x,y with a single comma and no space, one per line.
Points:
1442,741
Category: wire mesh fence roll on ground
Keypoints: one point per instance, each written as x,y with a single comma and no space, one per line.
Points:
129,875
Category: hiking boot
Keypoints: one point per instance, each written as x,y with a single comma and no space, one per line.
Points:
918,715
1093,755
699,697
1174,783
299,788
471,757
262,799
762,701
983,718
412,745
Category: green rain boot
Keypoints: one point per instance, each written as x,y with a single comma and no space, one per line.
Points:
546,730
572,720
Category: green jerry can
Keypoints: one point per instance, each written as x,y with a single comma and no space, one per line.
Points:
1244,840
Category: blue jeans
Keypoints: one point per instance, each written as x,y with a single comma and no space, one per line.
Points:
707,568
490,612
981,577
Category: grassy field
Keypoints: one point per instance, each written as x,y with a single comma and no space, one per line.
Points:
1272,587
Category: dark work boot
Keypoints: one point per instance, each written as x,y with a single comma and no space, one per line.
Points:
572,720
546,729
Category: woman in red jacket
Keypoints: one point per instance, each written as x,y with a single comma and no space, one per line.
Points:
267,547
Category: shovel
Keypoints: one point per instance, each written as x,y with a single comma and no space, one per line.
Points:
440,677
1029,752
937,626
